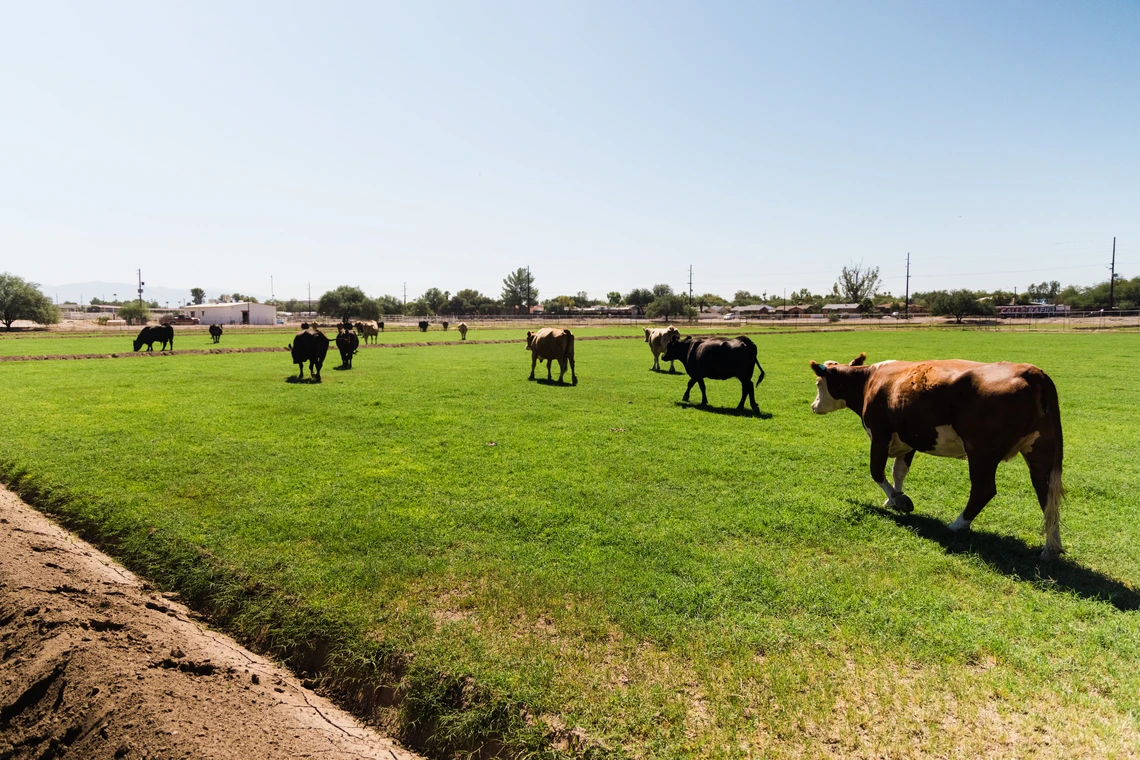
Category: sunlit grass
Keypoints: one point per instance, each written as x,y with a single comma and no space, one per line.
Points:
670,580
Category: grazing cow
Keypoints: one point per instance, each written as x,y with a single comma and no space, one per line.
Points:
658,339
155,334
986,413
381,326
310,345
423,325
216,333
717,359
368,330
462,328
446,325
549,344
346,343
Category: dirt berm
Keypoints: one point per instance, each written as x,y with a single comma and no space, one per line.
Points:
93,665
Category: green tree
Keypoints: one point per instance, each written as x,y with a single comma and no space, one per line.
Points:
417,308
239,298
435,299
134,312
662,289
614,298
519,291
744,298
197,295
20,299
1046,291
857,282
639,297
345,302
582,300
706,300
390,305
958,304
558,305
669,306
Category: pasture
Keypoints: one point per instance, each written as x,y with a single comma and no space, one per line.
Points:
484,561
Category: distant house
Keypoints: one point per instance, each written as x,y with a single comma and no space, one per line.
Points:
842,308
755,310
240,313
790,310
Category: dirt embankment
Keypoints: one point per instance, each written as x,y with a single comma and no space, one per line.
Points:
95,665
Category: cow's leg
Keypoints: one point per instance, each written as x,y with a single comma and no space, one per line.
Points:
983,487
561,369
743,394
896,499
301,370
319,362
752,395
692,382
656,363
704,395
548,363
533,364
901,468
671,369
573,376
1045,473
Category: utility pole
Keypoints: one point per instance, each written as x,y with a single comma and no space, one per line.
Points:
271,296
906,298
405,296
1112,275
309,286
690,284
528,289
141,283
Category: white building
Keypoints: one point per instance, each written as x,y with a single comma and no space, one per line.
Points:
240,313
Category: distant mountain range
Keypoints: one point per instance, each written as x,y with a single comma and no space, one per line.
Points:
107,291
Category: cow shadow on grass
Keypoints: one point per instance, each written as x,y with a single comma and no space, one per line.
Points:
554,383
294,380
1014,558
728,411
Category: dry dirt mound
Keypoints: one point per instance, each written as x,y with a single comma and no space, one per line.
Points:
93,665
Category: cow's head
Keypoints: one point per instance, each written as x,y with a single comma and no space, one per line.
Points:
677,350
673,333
138,343
830,384
529,338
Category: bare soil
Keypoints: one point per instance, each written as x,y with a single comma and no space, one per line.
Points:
94,664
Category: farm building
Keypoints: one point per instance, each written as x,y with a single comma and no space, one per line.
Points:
790,310
240,313
755,309
842,308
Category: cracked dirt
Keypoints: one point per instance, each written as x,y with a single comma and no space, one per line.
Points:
94,664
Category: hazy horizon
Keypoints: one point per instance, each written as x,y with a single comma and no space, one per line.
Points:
606,146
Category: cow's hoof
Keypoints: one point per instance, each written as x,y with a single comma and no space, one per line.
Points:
574,381
900,503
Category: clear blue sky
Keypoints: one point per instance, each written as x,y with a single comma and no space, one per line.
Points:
606,145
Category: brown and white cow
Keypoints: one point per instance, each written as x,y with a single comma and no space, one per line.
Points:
659,339
462,328
368,330
550,344
984,413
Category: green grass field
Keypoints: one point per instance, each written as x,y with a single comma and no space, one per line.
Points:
64,343
480,560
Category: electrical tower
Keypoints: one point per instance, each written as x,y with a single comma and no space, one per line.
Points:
1112,274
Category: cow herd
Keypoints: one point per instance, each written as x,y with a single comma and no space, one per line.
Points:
985,413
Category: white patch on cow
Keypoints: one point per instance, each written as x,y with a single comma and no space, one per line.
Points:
896,448
960,524
1024,445
890,492
884,361
899,472
824,402
948,444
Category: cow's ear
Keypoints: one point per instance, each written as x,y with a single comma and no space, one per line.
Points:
858,360
818,369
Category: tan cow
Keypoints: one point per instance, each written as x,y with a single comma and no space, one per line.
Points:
462,328
368,330
549,344
659,339
986,413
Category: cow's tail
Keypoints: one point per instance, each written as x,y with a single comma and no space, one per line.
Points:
1056,491
761,378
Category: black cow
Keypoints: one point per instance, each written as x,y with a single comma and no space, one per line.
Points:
446,325
717,359
216,332
346,343
423,325
381,326
310,345
155,334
